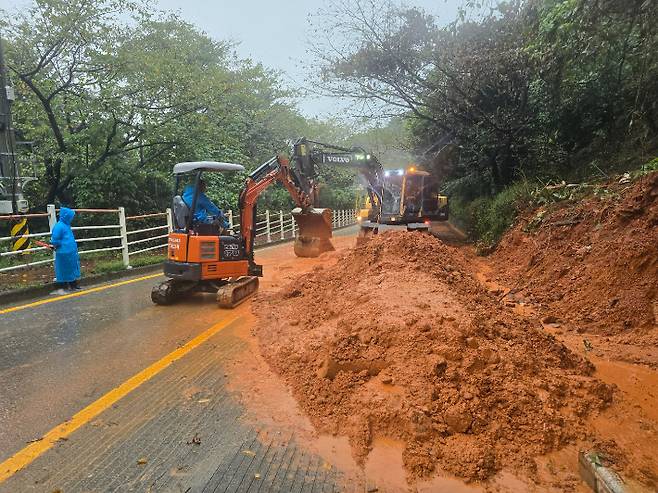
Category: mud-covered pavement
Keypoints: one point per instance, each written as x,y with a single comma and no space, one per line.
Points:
220,419
103,391
400,340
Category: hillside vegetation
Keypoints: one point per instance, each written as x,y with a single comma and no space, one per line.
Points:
510,97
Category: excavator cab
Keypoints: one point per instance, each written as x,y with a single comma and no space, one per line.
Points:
412,198
204,257
183,217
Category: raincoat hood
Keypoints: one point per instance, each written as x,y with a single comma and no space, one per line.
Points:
66,215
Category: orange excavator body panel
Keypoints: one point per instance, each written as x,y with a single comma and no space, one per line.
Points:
224,269
177,249
204,250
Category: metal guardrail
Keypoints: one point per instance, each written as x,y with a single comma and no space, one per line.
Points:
271,226
108,241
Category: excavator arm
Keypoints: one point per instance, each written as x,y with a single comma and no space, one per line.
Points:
298,176
276,169
309,153
314,224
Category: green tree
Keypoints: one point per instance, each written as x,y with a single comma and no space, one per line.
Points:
510,93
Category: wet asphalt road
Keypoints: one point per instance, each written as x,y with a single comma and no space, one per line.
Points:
57,358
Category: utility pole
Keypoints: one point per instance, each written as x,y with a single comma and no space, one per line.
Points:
11,184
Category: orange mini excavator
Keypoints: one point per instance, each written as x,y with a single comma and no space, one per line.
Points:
206,258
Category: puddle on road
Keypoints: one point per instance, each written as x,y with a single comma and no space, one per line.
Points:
383,470
385,467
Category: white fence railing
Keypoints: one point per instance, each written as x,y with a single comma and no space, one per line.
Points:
274,226
134,235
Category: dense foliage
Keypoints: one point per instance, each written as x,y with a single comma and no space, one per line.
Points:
112,94
515,90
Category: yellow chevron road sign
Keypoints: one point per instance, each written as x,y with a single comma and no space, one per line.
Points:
20,232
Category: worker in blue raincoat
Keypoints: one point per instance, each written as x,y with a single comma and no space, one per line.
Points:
67,260
205,211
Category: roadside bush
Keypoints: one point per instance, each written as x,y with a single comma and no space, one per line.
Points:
485,219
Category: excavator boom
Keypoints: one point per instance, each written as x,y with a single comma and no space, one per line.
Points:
314,224
309,153
298,176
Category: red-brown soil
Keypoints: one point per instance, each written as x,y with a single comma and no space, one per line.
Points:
593,263
396,339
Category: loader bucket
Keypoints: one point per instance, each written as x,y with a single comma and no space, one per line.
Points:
314,232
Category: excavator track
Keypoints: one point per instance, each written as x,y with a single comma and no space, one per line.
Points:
233,293
170,291
164,293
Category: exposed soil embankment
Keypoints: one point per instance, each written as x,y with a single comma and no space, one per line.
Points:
398,340
593,262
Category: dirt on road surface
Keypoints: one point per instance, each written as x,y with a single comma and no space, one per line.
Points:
398,340
410,353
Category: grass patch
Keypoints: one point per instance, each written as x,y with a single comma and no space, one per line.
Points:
647,168
105,265
143,260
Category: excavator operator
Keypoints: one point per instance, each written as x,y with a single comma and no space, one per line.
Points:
205,213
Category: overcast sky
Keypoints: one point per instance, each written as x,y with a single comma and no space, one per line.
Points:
274,33
269,31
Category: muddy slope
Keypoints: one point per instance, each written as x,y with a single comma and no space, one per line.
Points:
593,263
398,340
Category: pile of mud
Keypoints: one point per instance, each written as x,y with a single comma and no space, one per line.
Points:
398,340
593,263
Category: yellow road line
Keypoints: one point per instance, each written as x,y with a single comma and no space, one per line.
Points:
76,294
24,457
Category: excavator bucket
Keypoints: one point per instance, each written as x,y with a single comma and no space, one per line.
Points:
314,233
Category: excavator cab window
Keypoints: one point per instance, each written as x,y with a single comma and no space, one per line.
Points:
182,206
392,194
413,193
